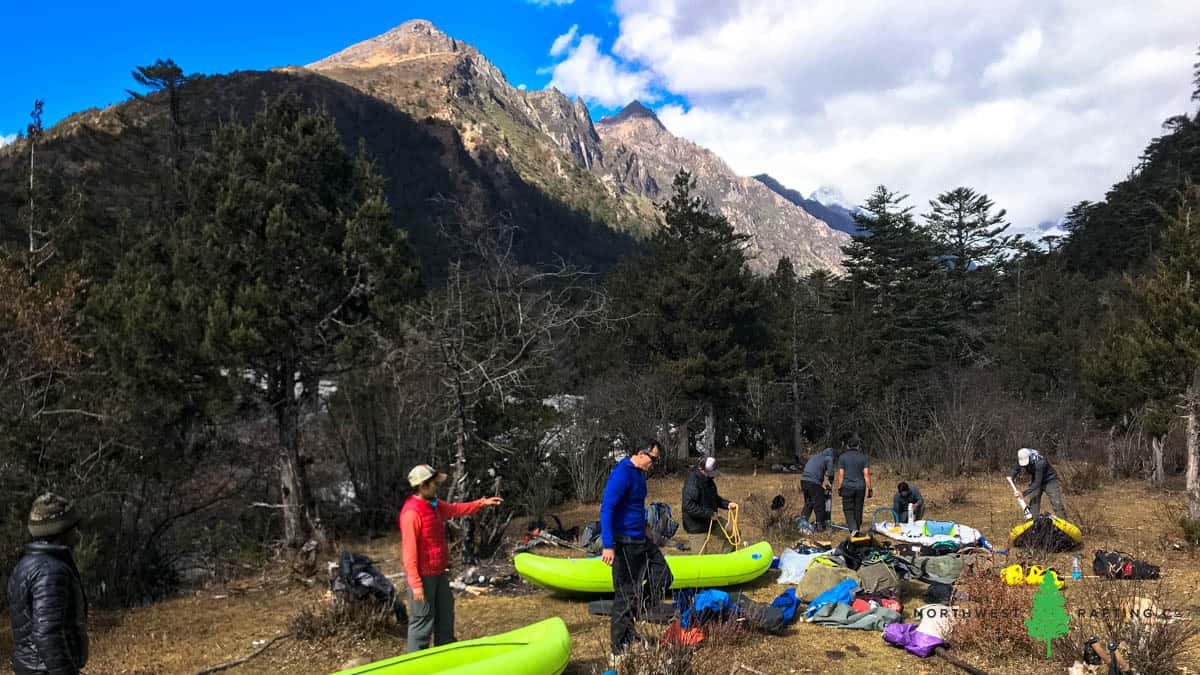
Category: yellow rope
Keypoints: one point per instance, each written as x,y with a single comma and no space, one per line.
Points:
731,533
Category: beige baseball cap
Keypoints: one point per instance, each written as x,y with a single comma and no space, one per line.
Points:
423,472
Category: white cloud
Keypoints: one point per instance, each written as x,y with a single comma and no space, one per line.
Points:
522,87
5,140
599,77
1039,104
562,42
549,3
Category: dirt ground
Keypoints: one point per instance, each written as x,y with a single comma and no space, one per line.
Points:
216,624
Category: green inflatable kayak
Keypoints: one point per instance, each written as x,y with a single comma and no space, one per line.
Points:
591,575
543,648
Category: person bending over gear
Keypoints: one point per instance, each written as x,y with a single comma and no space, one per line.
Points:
427,557
1042,480
814,482
854,482
906,494
700,505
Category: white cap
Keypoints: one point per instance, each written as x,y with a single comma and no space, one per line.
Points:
422,473
709,465
1023,457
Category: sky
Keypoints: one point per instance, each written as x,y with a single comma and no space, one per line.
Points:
1039,103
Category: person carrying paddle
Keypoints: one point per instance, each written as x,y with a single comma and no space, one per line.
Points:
1042,480
700,505
854,482
907,493
639,571
426,556
814,481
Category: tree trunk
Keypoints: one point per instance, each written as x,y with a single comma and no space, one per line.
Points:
1193,446
458,482
681,444
1111,450
797,423
1156,452
710,431
299,521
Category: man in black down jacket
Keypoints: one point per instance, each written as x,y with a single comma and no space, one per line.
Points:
700,504
45,595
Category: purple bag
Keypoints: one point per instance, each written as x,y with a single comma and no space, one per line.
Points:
906,635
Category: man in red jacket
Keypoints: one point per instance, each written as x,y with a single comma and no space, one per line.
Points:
427,557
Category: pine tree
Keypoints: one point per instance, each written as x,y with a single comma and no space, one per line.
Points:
1049,618
1149,349
697,301
162,76
274,277
896,288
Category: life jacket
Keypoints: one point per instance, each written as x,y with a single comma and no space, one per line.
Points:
433,555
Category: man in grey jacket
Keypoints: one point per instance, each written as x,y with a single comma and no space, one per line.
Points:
1042,480
817,476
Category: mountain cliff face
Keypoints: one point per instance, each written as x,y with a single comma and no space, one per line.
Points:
645,157
614,170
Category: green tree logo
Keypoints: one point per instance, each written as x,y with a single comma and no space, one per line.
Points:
1048,619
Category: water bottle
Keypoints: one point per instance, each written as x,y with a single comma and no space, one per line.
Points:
1076,569
911,511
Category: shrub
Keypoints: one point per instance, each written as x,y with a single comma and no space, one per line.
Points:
1082,477
958,494
339,618
995,625
1134,614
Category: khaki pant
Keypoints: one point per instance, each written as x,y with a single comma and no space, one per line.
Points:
717,543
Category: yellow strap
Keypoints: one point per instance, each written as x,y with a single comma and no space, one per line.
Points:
732,534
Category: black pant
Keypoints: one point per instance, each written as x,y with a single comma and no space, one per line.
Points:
814,502
641,579
852,507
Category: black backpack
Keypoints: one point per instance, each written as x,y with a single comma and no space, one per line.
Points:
662,525
1117,565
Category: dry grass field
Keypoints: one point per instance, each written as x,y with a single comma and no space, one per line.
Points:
215,624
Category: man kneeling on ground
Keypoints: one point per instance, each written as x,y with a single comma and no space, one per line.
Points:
908,494
700,505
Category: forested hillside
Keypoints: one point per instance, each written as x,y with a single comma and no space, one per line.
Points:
235,311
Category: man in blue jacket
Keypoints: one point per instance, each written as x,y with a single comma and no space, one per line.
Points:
640,573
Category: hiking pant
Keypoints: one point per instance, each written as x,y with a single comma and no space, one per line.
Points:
717,543
852,507
640,580
1052,490
814,502
434,617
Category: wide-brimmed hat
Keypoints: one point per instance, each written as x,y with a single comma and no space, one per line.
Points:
52,515
423,472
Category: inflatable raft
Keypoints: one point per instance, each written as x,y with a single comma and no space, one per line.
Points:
543,648
1046,532
591,575
916,533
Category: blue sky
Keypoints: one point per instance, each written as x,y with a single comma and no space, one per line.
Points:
86,60
1038,103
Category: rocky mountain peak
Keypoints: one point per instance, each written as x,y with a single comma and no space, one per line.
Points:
634,112
409,41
